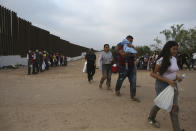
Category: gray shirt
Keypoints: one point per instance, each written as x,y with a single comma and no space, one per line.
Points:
106,58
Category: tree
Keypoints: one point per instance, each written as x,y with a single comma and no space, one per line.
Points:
186,38
156,46
143,50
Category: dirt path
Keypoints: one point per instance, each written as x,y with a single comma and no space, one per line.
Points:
61,99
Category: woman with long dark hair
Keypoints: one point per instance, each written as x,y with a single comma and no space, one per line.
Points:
165,73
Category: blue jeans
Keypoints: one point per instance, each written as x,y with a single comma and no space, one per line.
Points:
131,74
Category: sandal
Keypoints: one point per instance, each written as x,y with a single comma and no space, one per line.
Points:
135,99
153,122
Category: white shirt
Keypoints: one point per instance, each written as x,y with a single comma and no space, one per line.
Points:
194,55
106,57
172,69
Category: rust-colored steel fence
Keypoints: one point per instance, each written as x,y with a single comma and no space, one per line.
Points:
17,36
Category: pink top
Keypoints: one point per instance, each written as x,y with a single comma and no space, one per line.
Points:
172,69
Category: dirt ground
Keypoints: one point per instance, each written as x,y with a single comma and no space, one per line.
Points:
61,99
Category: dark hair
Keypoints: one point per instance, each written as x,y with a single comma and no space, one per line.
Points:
129,37
106,45
91,49
166,54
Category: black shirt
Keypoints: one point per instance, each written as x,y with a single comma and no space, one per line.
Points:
90,57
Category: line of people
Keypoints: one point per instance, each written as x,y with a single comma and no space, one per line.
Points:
146,62
188,60
39,61
164,71
126,66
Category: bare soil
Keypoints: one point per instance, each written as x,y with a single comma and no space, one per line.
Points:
61,99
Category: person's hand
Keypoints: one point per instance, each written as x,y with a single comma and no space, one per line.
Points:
122,53
131,55
130,45
172,83
179,79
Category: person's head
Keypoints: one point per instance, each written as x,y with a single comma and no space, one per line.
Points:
91,50
106,47
170,49
129,38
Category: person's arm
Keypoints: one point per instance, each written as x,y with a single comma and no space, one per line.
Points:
161,78
95,60
112,59
100,58
95,57
178,78
131,55
27,56
120,50
86,57
122,53
131,46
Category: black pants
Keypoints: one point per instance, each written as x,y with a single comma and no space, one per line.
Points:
47,64
29,67
90,71
37,66
34,65
40,65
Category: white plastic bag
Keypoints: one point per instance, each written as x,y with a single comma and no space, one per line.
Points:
100,62
165,99
59,63
43,66
85,67
100,65
194,55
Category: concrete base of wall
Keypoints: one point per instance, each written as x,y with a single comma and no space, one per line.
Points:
18,60
12,60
